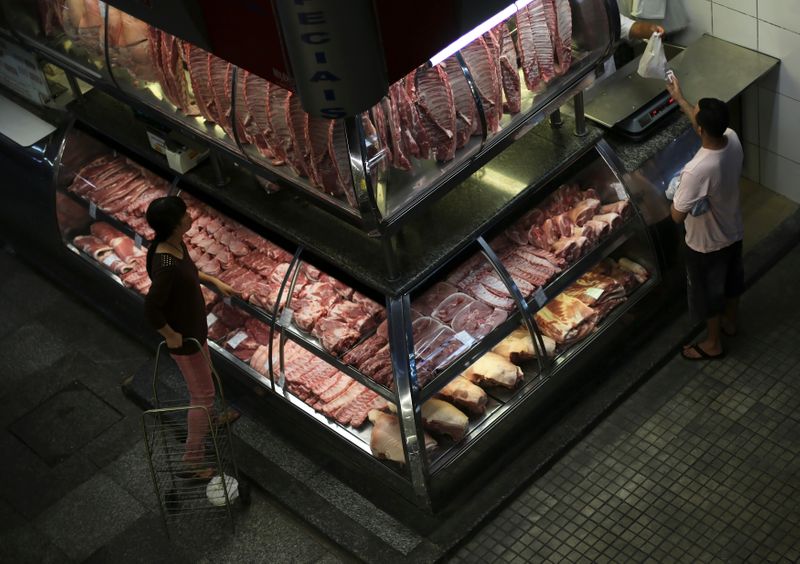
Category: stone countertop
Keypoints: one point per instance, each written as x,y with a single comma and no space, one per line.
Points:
634,154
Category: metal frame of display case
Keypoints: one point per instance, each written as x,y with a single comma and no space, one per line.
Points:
367,217
420,470
408,396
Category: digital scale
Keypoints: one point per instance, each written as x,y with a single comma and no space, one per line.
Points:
636,107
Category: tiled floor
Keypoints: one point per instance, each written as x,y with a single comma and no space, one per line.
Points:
701,464
762,210
74,482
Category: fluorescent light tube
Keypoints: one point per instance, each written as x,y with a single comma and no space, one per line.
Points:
475,33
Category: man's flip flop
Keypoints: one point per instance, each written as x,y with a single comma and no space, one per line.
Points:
703,355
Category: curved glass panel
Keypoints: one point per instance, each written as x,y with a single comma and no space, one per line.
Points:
71,27
277,134
171,75
515,68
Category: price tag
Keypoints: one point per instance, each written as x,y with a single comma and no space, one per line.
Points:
620,190
92,210
286,317
110,259
211,319
237,339
137,240
226,300
594,292
465,338
540,297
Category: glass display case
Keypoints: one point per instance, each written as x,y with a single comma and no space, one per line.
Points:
435,127
441,365
69,30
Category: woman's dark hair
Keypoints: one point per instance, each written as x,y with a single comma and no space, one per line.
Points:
713,116
164,215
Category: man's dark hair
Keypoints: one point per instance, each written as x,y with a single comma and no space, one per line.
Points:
713,116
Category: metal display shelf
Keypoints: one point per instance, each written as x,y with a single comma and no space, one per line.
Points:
454,221
601,250
367,217
469,203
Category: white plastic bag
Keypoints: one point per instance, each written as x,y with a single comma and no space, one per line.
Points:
215,491
653,63
649,9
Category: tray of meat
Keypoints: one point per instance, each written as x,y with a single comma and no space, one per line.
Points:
478,319
451,306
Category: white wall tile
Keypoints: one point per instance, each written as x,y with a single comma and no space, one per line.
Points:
780,175
751,158
746,6
699,12
734,26
750,109
779,124
784,45
783,13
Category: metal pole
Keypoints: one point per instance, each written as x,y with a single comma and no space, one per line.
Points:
74,87
220,179
580,116
409,410
390,256
555,119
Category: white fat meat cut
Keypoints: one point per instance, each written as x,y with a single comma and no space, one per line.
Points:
386,440
443,418
494,370
463,393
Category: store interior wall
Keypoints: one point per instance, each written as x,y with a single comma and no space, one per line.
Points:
771,107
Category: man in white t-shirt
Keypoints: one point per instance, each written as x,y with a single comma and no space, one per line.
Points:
707,202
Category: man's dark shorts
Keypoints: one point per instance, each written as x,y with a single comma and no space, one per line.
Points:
712,278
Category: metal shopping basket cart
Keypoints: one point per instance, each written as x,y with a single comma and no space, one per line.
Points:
207,489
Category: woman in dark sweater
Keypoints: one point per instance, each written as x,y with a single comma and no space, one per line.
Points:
176,309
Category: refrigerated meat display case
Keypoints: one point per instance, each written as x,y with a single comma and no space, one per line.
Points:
435,126
527,261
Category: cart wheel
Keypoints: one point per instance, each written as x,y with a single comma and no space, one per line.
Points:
244,493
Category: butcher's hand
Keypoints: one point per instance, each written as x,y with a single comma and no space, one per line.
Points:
174,341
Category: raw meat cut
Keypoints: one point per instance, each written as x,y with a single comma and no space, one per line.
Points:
466,113
437,110
563,42
335,336
386,440
463,393
483,68
337,147
443,418
297,151
414,137
478,319
92,246
509,70
622,207
566,319
584,211
400,156
518,346
614,220
450,306
427,302
318,139
198,62
494,370
527,33
636,269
